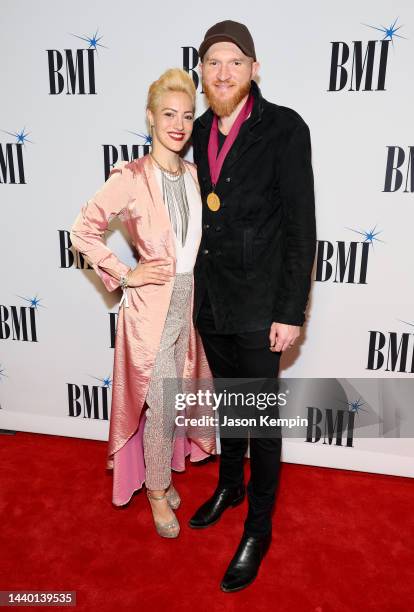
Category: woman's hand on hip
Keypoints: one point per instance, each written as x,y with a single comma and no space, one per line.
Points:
156,272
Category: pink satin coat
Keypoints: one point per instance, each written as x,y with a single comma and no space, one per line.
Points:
132,193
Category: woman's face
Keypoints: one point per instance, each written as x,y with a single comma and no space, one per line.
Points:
173,121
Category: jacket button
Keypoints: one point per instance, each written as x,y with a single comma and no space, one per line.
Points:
205,251
206,226
228,179
218,228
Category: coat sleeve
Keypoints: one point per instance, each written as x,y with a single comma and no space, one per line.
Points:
87,233
298,200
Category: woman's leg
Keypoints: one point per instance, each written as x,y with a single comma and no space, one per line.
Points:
169,364
184,307
181,346
159,426
159,431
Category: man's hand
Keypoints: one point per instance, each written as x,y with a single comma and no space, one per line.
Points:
283,336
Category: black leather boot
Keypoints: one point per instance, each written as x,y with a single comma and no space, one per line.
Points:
245,564
210,512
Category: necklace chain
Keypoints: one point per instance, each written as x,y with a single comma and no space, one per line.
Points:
175,198
176,173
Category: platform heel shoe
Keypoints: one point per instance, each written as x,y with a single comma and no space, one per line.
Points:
170,529
173,497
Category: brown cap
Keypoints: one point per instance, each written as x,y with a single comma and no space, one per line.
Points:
229,31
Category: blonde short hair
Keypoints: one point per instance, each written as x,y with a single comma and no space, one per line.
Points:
174,79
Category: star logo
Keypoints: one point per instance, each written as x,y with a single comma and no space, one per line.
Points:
369,236
355,406
33,301
21,137
389,32
146,137
106,382
93,41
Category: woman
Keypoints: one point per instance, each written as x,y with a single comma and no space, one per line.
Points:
157,198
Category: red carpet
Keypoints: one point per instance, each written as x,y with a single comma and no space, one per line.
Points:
342,541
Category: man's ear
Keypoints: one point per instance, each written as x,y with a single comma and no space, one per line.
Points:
255,69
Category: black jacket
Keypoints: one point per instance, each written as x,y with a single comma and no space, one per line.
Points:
257,250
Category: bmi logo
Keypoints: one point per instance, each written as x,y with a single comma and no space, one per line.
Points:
190,63
19,322
399,171
345,262
89,401
391,351
333,423
124,152
72,71
362,65
11,158
70,258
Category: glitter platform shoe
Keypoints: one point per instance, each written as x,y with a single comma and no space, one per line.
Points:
171,529
173,497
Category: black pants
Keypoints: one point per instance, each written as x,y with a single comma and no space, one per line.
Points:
245,355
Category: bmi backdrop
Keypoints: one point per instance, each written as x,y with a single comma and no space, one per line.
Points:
74,82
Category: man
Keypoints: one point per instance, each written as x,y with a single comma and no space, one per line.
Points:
252,275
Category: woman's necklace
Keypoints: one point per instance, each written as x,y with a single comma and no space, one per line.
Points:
175,197
177,172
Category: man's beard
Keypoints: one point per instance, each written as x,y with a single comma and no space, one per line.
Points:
224,108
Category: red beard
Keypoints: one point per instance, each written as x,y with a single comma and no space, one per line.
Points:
224,108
